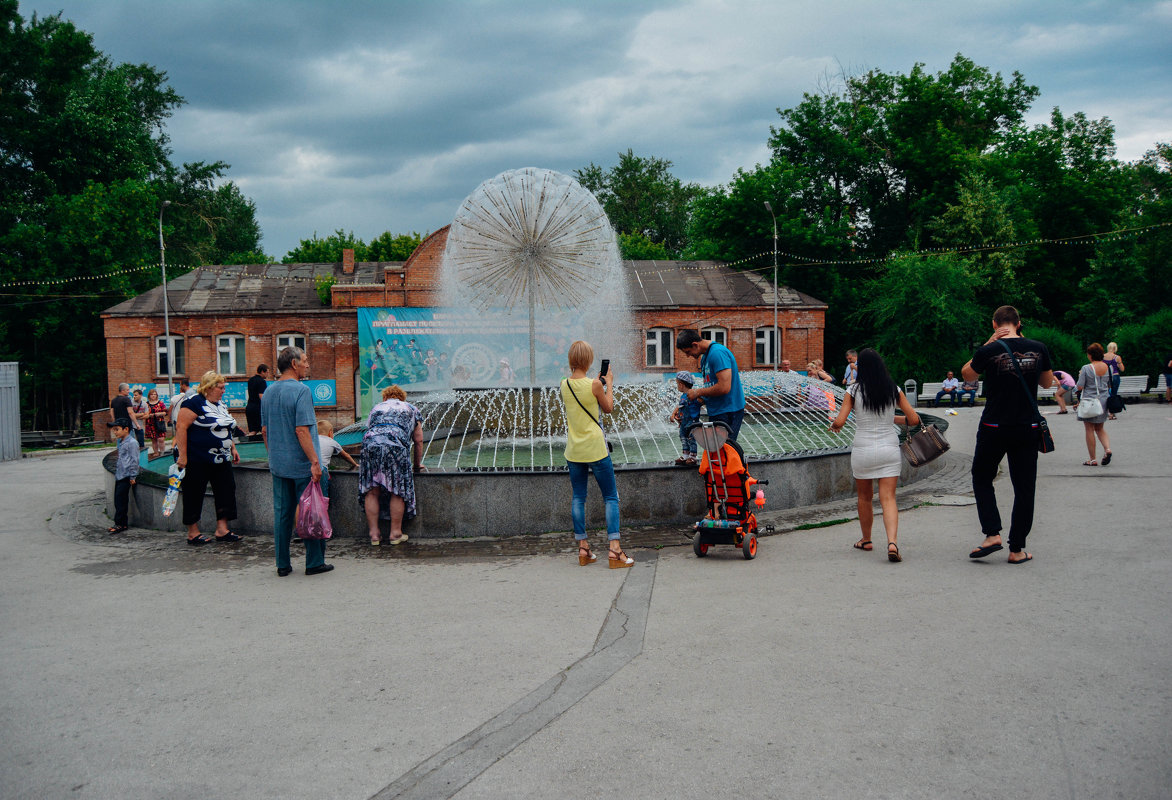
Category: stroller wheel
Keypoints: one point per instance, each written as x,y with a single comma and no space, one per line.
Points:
749,548
698,547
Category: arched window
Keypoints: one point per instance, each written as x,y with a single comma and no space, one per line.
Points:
230,354
659,352
718,335
767,340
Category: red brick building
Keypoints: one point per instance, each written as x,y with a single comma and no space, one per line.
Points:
235,317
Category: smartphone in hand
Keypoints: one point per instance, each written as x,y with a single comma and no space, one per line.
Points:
605,368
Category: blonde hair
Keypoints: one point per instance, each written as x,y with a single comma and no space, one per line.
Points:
209,380
581,355
812,366
325,427
1112,347
395,391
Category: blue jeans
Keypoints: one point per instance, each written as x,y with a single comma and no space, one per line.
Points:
732,419
604,477
286,493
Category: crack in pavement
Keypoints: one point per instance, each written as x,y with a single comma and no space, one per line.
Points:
619,640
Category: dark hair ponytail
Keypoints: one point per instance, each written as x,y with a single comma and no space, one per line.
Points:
879,391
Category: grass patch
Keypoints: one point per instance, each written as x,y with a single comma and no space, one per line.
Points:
828,523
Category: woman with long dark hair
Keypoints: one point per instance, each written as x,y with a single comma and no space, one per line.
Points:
875,455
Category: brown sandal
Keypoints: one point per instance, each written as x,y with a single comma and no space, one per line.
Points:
588,558
863,544
619,560
893,557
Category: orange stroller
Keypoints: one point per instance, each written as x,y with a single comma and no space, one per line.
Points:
728,487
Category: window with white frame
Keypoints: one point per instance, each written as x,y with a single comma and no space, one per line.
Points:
178,363
659,347
718,335
230,354
290,340
767,345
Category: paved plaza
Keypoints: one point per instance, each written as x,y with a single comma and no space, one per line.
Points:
138,667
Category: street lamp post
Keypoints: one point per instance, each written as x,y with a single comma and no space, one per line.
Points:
776,333
166,305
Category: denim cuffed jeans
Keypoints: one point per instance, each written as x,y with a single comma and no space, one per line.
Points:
286,493
604,476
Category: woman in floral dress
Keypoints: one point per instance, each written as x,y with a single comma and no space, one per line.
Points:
392,452
156,422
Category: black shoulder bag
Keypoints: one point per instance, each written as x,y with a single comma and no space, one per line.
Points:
1045,440
598,422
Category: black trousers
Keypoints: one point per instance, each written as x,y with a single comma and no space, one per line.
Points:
121,501
1020,444
252,417
195,482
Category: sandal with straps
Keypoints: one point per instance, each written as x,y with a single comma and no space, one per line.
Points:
893,556
585,556
618,559
862,544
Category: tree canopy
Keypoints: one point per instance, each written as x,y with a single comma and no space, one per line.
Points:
84,169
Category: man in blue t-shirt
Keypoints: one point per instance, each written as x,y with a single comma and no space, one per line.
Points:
289,427
721,391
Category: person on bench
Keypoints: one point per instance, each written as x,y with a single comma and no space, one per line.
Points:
951,388
971,388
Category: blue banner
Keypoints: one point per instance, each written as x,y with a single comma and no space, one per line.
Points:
325,393
424,349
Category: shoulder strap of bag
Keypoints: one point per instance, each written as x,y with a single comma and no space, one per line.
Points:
1021,377
597,421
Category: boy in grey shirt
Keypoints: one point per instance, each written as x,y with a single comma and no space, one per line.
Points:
125,473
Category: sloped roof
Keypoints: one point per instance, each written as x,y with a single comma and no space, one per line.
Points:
261,288
251,288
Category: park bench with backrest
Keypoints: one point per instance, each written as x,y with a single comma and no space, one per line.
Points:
930,390
51,438
1161,387
1132,385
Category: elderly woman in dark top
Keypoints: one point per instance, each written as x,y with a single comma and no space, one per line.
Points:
392,451
205,448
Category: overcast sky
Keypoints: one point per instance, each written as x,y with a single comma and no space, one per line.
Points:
373,116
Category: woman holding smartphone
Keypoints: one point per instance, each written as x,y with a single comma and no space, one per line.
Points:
587,451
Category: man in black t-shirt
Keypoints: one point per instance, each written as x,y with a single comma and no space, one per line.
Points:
1008,427
256,388
120,406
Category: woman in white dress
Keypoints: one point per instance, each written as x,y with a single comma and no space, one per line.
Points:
875,454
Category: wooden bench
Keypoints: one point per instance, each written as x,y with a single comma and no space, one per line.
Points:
51,438
928,394
1161,387
1132,385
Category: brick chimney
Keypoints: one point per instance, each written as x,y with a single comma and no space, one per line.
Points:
348,261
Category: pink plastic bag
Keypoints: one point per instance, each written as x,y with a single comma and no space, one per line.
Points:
313,514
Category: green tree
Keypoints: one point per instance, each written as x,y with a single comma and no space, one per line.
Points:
388,246
641,196
637,247
326,251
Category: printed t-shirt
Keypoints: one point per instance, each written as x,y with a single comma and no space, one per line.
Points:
1006,401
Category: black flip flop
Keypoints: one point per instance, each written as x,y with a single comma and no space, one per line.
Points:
1022,560
116,529
229,537
981,552
1107,458
198,541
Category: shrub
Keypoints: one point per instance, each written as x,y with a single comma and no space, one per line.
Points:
1144,344
1066,350
323,283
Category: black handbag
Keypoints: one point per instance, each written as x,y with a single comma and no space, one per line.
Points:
1115,404
926,443
1045,439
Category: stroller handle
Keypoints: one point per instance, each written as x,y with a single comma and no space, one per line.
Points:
762,483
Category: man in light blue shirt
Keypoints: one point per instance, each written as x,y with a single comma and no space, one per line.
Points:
289,427
722,392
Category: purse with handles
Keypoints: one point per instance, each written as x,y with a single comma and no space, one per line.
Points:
926,443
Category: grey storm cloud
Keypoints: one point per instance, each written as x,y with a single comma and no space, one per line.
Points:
373,116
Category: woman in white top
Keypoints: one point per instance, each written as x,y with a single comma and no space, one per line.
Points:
875,451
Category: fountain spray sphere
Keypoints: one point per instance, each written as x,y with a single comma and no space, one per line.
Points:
537,242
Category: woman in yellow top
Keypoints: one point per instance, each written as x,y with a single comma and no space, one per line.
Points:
586,451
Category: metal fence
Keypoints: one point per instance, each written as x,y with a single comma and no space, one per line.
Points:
9,410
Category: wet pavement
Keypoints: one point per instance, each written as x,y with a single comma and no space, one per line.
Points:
135,666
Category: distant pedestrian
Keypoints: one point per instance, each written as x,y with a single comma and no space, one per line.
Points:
686,414
289,428
852,371
156,423
1094,382
585,399
185,392
392,452
125,473
1114,363
256,390
721,393
875,455
120,406
1008,427
1064,391
206,449
1167,369
139,406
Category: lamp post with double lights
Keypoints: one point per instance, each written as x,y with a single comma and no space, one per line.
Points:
166,316
776,334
